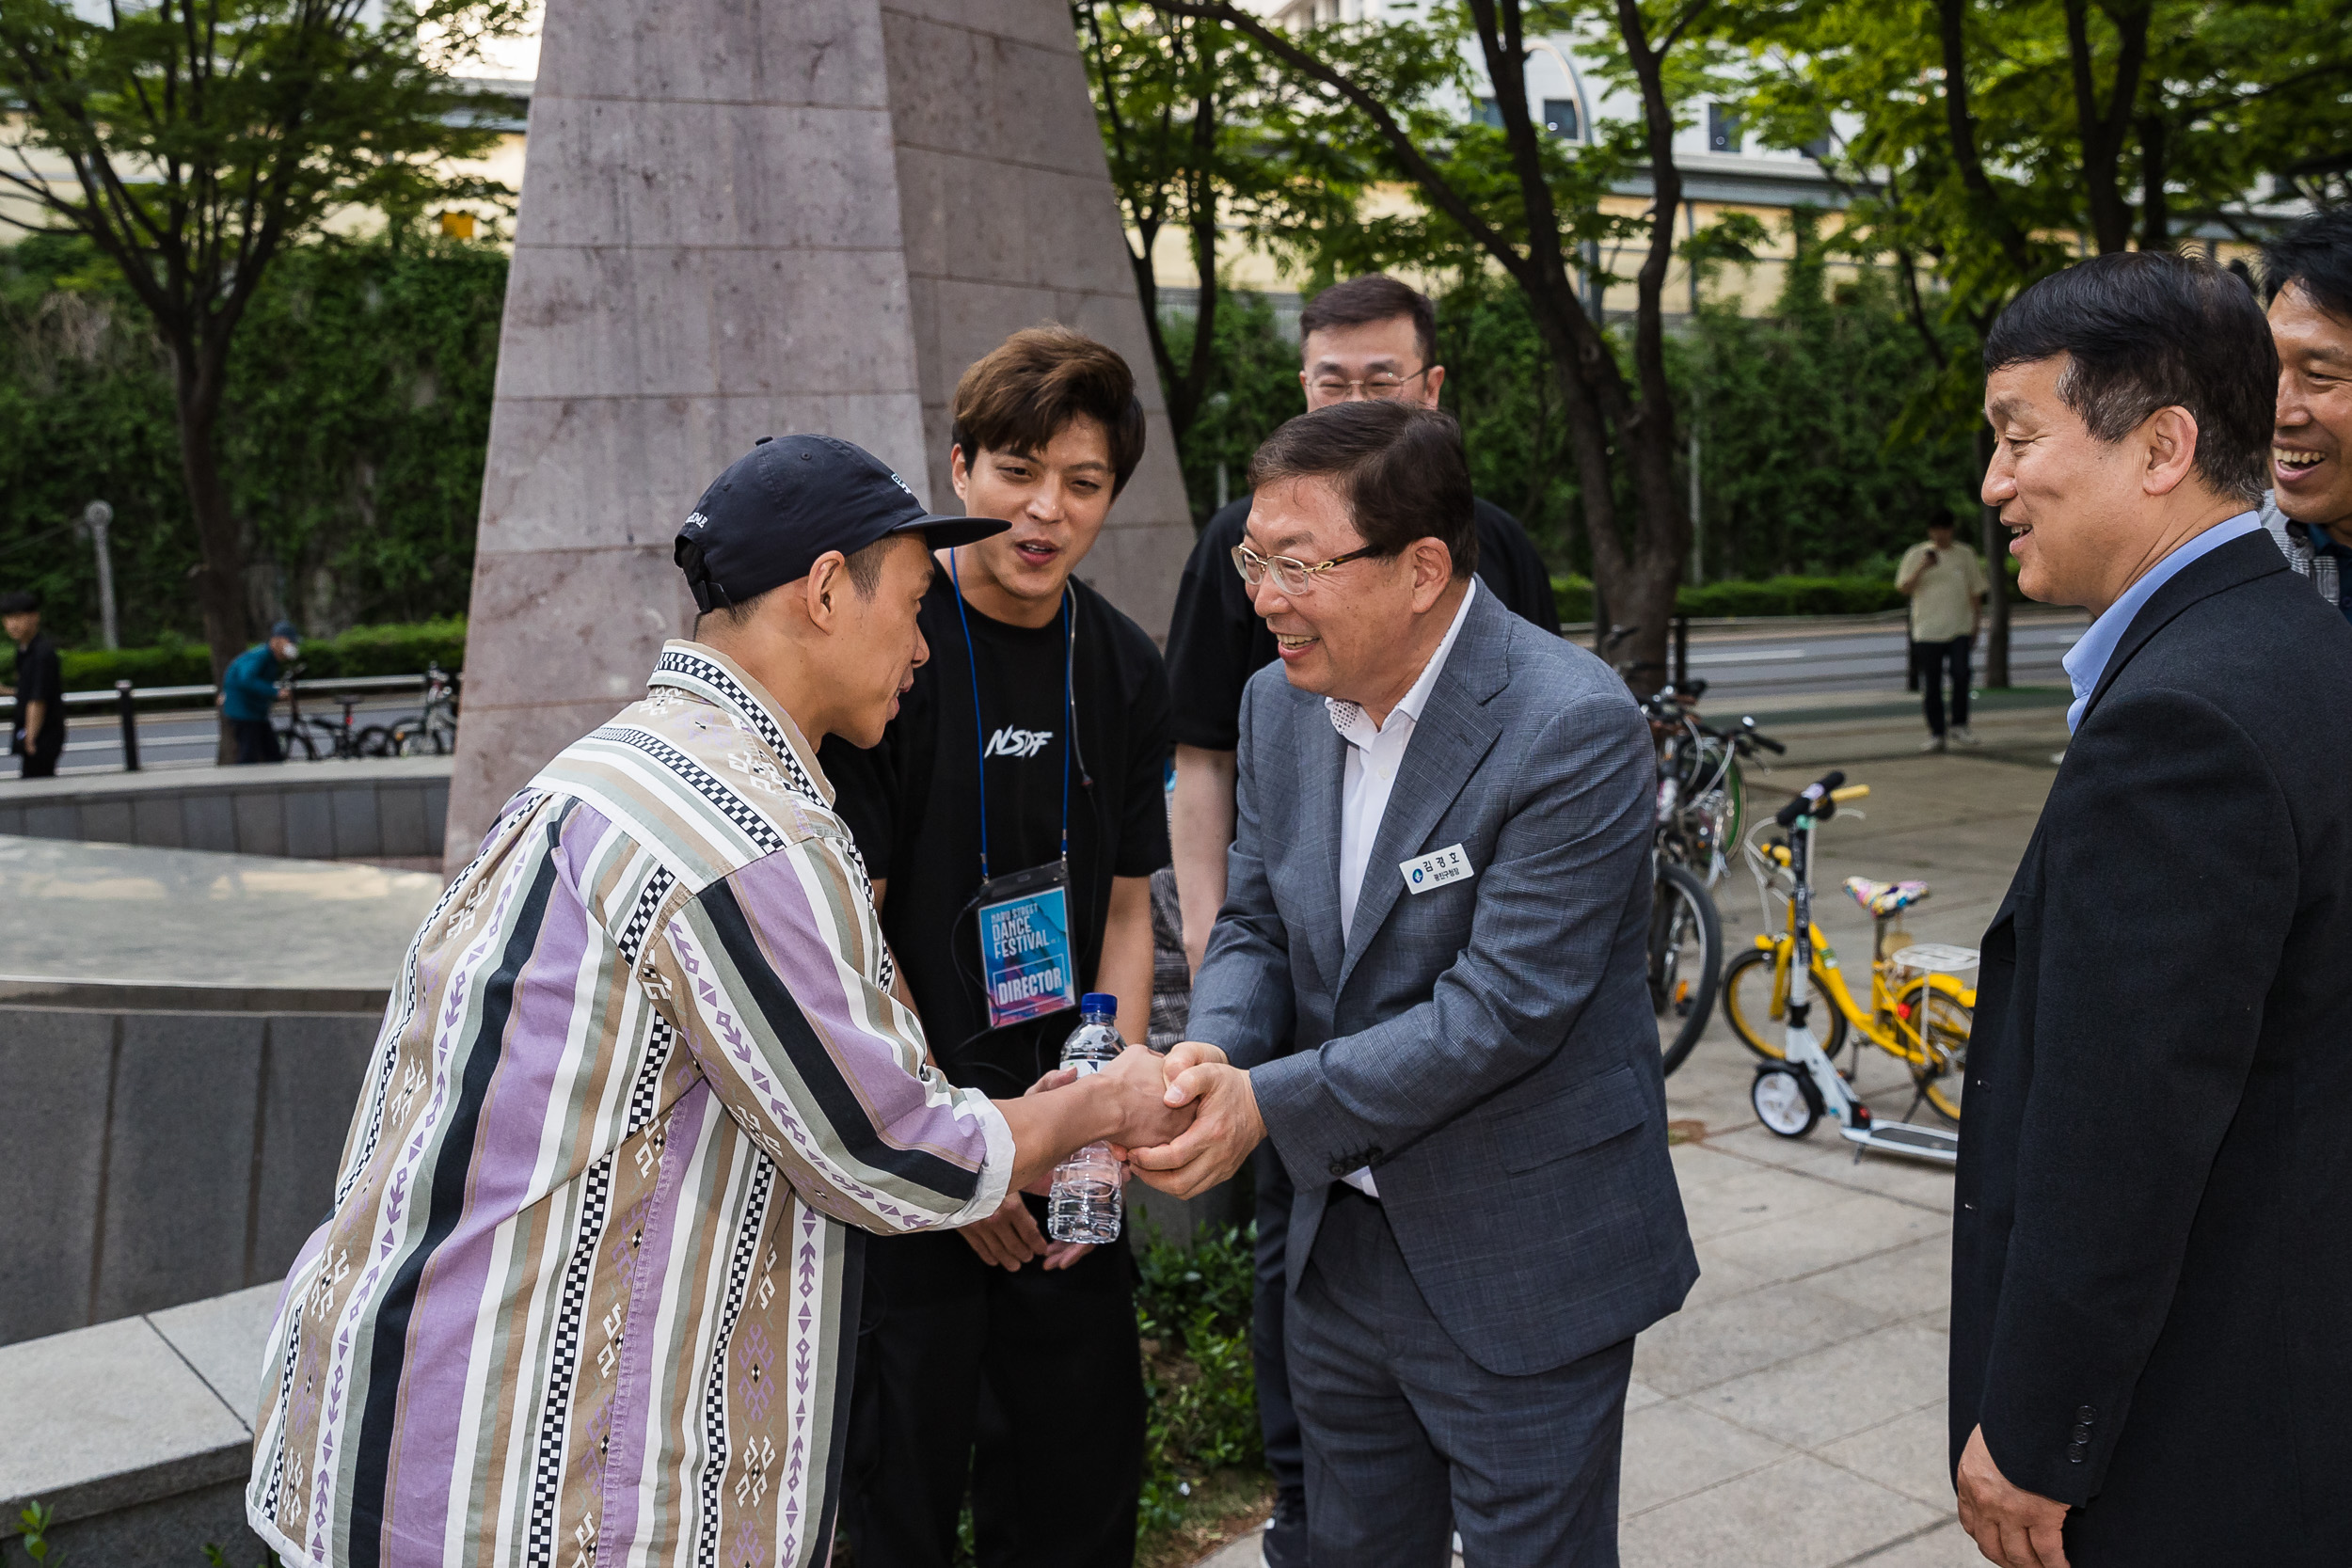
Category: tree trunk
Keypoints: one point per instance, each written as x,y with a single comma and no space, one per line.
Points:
220,574
1992,544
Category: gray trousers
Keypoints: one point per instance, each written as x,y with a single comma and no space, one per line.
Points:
1408,1439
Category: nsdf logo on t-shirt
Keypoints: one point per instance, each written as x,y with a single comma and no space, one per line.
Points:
1017,743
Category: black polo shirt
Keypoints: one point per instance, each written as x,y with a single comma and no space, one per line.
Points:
912,804
40,678
1217,642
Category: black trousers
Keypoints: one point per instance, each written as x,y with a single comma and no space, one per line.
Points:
256,740
1277,1419
42,763
1929,661
1042,1374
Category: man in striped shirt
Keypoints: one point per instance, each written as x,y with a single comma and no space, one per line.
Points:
588,1291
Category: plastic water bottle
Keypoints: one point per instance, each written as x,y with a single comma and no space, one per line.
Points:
1086,1192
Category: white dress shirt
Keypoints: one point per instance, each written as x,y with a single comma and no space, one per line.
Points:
1374,751
2087,660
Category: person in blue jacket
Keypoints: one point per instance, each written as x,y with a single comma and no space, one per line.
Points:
248,693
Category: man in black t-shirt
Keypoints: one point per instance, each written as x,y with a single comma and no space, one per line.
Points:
992,1339
38,734
1369,336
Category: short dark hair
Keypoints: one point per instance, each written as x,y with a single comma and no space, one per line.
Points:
1375,297
2315,254
1399,467
1023,393
863,568
18,604
2143,330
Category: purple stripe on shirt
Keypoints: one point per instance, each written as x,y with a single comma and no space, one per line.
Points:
515,1117
796,937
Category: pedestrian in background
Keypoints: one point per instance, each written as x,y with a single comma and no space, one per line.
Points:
2308,512
38,734
1946,583
248,693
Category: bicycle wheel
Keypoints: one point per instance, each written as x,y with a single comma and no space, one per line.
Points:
295,741
374,741
1944,1039
1686,945
1755,1003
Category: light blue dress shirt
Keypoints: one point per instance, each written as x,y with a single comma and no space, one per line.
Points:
2087,660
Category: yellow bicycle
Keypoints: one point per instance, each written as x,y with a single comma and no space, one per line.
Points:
1917,1014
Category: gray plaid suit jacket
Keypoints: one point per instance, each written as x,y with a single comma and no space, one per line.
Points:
1486,1047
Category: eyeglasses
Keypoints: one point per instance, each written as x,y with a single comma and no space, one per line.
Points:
1370,386
1293,577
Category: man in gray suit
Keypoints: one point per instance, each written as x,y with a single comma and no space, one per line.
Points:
1439,890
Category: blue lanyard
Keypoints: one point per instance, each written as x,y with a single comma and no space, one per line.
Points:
980,727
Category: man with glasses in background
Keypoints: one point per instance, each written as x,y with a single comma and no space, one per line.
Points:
1366,338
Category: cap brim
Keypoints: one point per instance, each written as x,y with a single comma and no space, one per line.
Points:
948,532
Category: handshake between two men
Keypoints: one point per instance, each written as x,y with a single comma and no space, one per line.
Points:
1182,1122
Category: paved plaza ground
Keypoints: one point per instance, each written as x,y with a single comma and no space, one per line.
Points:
1791,1415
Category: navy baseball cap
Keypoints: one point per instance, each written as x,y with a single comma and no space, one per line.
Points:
764,522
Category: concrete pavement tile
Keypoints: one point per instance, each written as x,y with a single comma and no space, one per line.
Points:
1911,1281
1753,1197
1887,1174
1835,1393
1674,1449
1640,1396
1700,1346
1720,1279
1947,1547
1799,1513
1908,1453
1696,1166
1854,1227
108,1400
224,1339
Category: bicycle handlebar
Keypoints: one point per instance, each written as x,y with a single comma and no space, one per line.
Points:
1816,800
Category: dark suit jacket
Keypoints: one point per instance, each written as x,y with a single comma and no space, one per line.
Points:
1487,1047
2151,1262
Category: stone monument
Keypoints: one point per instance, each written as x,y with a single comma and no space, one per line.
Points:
749,217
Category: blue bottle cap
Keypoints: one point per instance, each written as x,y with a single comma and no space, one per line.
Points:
1096,1001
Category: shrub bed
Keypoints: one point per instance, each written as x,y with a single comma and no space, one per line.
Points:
1774,596
393,650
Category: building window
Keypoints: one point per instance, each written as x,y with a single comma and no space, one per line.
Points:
1723,128
1817,147
1489,113
1560,118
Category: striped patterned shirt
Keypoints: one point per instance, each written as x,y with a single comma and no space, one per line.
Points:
588,1291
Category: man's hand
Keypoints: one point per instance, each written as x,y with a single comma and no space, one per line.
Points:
1059,1255
2012,1527
1149,1111
1223,1132
1008,1237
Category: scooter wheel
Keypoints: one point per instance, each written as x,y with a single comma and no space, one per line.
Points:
1784,1101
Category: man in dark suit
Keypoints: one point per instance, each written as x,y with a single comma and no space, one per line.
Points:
1439,901
2152,1275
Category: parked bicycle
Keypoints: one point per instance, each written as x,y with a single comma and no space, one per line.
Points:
434,732
1701,795
309,736
1918,1012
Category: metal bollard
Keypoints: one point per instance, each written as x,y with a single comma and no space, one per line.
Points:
130,726
1682,652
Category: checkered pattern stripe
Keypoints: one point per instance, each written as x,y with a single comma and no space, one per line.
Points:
725,689
278,1439
642,1094
715,1453
703,782
641,918
547,1472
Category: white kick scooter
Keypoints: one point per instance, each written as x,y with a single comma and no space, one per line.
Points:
1790,1096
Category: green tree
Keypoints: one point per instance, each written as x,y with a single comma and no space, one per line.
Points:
1388,98
1991,144
193,141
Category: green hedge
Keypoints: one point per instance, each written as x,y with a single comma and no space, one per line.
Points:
1774,596
402,649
